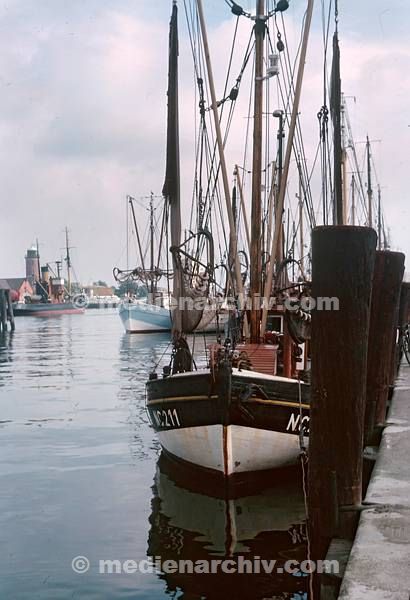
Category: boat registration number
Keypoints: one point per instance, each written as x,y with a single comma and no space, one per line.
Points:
296,423
166,418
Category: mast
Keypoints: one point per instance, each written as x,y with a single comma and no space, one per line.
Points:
289,146
152,229
243,207
353,200
271,204
232,230
68,261
38,260
278,216
379,218
345,193
131,203
256,213
369,183
336,107
301,240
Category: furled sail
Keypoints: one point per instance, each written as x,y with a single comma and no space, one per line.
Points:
190,284
171,189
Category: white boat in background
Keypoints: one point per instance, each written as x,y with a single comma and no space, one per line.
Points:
139,316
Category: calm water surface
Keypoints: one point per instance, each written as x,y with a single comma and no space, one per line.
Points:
79,475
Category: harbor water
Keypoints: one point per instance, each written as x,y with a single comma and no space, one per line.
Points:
80,476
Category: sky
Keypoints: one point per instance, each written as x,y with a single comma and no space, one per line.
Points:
83,108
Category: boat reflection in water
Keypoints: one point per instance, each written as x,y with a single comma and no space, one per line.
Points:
267,526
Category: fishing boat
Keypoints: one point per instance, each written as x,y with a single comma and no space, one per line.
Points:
52,297
141,316
46,309
248,410
153,313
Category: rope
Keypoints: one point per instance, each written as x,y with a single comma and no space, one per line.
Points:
304,460
162,356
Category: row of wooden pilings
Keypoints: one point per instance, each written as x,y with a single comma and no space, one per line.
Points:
354,364
6,309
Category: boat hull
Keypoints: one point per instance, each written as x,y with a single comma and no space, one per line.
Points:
144,318
239,423
140,317
47,310
232,449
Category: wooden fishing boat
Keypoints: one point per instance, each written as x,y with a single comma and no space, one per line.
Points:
248,409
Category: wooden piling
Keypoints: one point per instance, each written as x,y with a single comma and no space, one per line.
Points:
342,268
10,313
3,311
387,279
6,307
404,308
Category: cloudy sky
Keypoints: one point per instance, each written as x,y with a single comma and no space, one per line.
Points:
83,105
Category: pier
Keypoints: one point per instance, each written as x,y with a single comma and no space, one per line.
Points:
378,566
359,469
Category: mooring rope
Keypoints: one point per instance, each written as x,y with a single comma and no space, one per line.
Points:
304,463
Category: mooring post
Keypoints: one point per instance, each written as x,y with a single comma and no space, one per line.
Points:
342,273
388,275
10,313
3,311
404,306
403,320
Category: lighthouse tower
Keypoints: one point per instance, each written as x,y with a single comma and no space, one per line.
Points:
32,265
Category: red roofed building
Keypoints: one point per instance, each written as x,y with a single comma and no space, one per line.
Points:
21,286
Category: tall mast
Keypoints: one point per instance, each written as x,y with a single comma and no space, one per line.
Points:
336,108
379,218
256,215
232,231
278,216
243,207
369,183
151,211
353,200
301,240
345,191
289,147
68,261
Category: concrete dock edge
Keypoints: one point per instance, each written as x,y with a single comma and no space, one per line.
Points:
379,564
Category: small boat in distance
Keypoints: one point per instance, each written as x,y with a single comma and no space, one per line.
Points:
51,296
